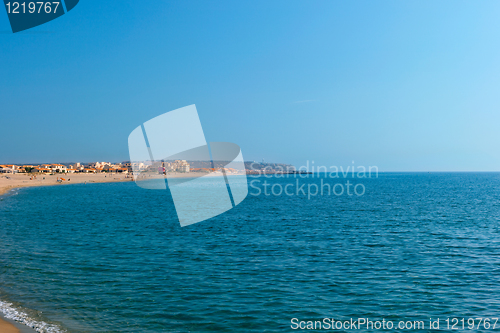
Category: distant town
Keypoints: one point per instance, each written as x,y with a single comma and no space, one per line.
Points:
176,166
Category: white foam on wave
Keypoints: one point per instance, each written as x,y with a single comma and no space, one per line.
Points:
10,312
9,193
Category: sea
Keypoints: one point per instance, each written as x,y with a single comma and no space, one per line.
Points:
405,248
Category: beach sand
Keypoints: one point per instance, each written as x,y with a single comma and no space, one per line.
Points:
9,181
10,326
6,327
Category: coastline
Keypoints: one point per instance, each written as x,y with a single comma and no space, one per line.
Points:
10,182
7,327
14,320
11,326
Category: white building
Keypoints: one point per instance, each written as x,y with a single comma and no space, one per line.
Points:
99,165
7,169
58,167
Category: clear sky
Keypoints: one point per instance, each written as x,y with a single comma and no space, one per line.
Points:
403,85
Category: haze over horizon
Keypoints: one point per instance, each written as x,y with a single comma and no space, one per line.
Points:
398,85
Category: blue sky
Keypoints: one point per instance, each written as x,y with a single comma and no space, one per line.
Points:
405,86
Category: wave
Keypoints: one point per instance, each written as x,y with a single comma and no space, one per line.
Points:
9,193
11,312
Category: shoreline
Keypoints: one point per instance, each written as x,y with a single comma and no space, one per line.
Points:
8,327
10,182
12,326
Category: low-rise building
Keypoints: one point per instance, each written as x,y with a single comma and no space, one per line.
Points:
7,169
58,167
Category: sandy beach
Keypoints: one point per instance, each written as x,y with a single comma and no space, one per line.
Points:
10,326
9,181
6,327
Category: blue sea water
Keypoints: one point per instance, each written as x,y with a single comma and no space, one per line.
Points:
113,257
